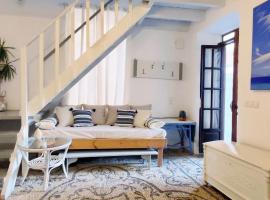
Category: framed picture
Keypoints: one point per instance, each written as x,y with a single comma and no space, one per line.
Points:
260,74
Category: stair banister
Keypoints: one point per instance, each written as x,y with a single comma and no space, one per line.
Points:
102,8
41,67
57,52
130,6
78,29
52,22
87,15
116,10
71,22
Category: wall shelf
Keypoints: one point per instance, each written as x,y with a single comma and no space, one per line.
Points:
157,70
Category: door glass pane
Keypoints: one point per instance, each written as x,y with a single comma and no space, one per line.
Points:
208,58
216,79
215,119
217,58
207,98
206,123
207,78
229,36
216,99
228,91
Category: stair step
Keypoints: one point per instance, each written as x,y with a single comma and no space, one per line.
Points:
10,115
8,137
5,154
7,146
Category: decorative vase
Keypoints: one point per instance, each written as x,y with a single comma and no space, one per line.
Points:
182,116
3,104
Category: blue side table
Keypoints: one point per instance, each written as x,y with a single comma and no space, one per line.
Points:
184,130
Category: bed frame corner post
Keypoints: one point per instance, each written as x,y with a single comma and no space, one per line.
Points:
160,157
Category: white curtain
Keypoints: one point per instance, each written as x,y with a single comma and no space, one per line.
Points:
105,84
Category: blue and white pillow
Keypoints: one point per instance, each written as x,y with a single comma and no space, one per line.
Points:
82,118
125,118
154,123
47,123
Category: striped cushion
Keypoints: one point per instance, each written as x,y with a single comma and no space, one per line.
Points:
82,118
154,123
47,124
125,118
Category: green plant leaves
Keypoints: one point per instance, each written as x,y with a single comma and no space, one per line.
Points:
7,69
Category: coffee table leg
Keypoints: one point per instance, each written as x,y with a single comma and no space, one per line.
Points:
46,179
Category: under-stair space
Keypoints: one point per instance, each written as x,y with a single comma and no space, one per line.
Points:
51,63
10,124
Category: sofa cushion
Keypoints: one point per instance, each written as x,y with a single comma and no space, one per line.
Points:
82,118
141,107
141,117
99,115
154,123
112,113
64,114
105,132
47,123
125,118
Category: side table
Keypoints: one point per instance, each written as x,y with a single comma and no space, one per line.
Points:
184,129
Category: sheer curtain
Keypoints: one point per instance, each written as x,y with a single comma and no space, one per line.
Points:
105,83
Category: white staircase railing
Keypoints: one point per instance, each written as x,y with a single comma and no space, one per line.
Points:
49,62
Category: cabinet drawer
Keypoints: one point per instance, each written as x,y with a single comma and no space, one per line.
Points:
240,177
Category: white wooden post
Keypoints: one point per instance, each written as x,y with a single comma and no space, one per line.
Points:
22,136
24,88
72,34
116,10
102,17
57,52
41,67
130,6
87,14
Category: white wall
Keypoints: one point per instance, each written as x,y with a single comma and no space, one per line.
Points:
168,97
17,31
253,123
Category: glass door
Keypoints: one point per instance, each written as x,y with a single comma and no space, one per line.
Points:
211,94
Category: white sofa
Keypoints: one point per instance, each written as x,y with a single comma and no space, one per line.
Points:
104,135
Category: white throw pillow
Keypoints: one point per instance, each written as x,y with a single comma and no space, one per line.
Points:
64,115
141,117
47,124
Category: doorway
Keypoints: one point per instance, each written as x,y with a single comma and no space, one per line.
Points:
231,42
219,91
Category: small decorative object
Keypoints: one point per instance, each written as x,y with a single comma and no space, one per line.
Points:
182,116
260,75
7,70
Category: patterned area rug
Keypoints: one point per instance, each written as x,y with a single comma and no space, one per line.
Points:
181,177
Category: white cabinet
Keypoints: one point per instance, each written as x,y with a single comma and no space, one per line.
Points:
240,171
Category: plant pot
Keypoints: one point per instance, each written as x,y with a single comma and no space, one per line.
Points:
3,104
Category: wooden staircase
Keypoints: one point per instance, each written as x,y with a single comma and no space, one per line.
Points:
67,71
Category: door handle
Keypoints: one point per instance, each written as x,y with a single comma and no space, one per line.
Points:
233,106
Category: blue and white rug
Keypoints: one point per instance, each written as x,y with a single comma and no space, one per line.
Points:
181,177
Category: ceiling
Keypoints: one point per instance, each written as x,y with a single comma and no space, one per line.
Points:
169,13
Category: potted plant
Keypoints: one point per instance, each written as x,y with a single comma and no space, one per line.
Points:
7,70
